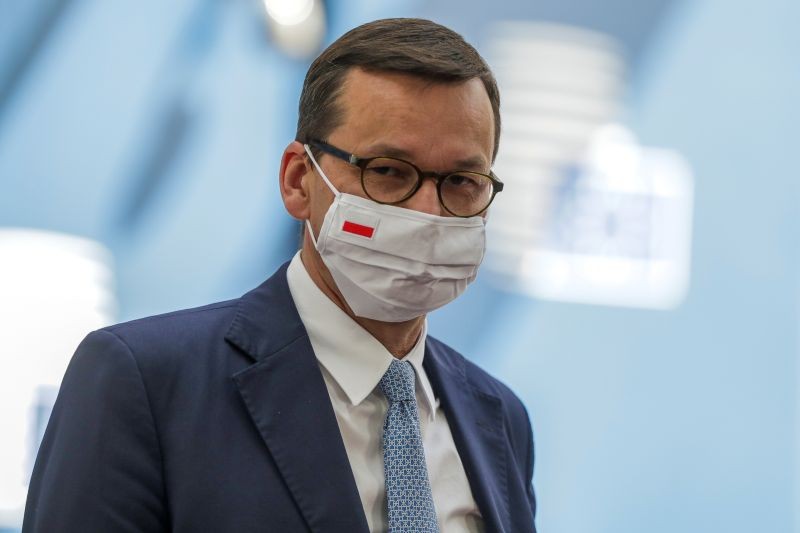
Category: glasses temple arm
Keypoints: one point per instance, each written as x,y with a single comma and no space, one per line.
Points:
336,152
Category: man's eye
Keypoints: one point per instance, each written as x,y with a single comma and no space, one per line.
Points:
391,171
461,180
385,171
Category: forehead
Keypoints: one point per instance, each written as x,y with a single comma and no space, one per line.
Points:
420,116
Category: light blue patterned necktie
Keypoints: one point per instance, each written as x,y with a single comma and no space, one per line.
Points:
408,490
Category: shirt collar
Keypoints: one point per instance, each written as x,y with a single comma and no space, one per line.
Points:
354,358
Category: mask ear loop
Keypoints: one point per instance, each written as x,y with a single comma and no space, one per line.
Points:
321,173
327,182
311,234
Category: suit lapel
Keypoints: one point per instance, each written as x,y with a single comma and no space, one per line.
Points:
286,397
476,422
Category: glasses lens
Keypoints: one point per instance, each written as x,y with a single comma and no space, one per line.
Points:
466,193
388,180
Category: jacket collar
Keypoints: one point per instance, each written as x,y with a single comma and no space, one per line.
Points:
475,416
266,319
286,396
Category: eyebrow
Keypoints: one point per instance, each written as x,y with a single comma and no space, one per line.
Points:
385,149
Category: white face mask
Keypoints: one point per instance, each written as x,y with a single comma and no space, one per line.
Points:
393,264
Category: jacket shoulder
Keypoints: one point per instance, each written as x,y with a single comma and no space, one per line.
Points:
176,326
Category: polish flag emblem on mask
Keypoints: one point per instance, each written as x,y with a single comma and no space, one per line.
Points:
358,229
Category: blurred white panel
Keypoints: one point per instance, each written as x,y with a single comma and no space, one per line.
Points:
588,215
54,289
621,234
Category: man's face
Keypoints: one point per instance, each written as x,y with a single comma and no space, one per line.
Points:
439,127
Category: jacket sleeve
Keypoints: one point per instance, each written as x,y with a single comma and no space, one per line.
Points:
99,466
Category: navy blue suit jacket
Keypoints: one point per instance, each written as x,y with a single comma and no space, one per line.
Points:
218,419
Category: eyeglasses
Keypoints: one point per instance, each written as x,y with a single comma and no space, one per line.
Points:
388,180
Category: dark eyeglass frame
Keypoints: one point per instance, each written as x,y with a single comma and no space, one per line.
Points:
362,162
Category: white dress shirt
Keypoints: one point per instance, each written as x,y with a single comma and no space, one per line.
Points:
352,363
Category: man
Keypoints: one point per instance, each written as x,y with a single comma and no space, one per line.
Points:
317,402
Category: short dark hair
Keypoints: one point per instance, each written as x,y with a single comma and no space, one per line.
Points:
406,45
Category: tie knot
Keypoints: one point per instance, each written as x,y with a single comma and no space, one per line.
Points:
397,383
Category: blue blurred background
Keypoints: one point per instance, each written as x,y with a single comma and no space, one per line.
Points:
153,130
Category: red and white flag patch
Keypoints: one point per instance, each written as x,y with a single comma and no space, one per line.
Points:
358,229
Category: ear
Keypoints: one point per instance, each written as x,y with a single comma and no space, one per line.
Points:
294,186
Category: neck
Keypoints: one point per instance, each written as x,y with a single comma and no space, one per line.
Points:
397,337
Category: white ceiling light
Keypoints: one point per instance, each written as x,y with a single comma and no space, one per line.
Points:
289,12
296,26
